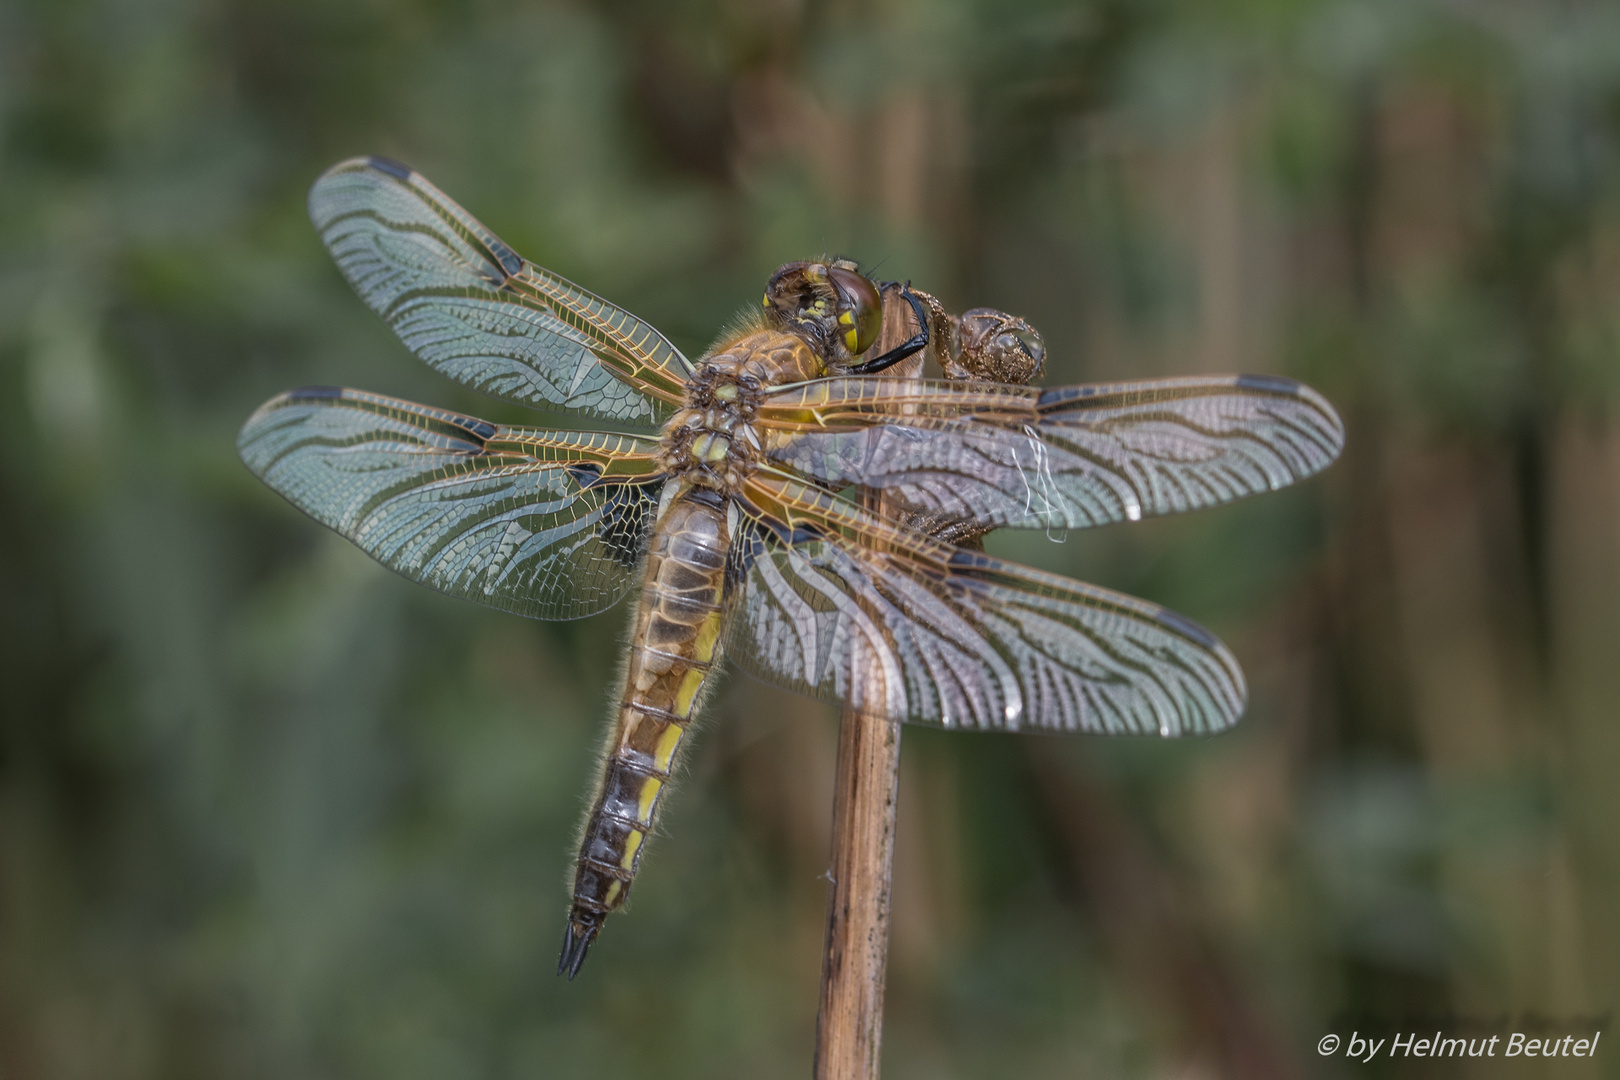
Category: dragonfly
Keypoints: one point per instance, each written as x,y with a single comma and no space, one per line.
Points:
723,498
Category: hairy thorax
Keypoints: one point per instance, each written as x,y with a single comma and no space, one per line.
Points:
711,441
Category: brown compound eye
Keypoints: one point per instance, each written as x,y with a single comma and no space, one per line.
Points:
996,347
860,309
789,286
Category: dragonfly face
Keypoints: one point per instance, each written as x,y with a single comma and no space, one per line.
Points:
725,521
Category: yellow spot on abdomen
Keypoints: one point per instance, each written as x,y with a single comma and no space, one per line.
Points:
632,844
708,634
690,685
613,892
649,795
664,752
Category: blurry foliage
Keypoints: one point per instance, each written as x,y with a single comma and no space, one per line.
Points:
266,810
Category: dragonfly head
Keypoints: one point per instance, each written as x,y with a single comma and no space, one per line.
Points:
830,303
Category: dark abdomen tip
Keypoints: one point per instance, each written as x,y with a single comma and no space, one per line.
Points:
581,930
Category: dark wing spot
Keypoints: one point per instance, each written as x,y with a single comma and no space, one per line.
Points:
746,547
627,517
482,430
510,261
1057,395
585,473
803,534
969,560
319,392
1187,628
389,166
1269,384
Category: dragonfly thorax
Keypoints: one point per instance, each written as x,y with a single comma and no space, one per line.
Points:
711,440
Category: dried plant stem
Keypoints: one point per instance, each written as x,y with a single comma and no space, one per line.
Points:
849,1027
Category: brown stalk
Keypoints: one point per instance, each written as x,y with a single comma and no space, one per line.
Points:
849,1026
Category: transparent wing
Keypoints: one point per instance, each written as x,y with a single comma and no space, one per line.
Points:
468,305
836,602
544,523
1067,457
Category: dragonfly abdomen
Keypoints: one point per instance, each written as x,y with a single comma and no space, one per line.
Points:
676,646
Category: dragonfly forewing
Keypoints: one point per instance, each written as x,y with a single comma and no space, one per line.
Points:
542,523
469,306
1068,457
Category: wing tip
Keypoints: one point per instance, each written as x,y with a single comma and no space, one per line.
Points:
397,169
1187,628
280,401
1270,384
1230,705
372,163
296,395
1282,386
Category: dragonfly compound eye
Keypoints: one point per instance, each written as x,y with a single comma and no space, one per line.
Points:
860,309
797,289
996,347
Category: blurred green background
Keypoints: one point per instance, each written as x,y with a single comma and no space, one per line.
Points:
267,810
